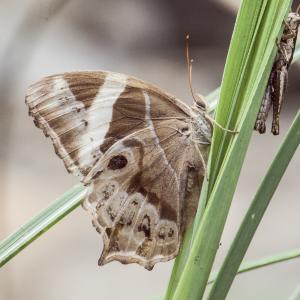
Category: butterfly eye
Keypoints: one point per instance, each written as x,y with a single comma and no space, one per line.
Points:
117,162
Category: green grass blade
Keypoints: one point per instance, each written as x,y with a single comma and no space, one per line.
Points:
263,262
212,98
240,54
243,85
255,212
270,260
39,224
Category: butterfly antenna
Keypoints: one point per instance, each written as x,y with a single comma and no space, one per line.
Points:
197,98
189,62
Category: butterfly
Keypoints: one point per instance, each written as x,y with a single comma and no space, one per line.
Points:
140,151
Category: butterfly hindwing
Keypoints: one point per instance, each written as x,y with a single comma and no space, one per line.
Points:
144,193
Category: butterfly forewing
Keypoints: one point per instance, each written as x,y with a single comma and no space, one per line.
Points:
131,144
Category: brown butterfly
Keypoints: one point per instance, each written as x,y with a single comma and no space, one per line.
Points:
140,151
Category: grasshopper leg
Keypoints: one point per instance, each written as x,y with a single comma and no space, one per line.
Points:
280,83
260,124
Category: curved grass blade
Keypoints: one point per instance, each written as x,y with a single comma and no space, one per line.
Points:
263,262
255,212
213,99
239,105
39,224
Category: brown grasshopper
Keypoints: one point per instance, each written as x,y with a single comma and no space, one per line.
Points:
277,83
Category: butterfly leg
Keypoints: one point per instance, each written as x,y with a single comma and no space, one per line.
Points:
203,163
220,126
201,99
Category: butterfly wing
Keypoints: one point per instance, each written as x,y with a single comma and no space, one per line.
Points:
132,144
144,193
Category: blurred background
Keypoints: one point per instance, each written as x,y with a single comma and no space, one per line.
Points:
145,39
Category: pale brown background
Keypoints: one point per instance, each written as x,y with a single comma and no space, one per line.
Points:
144,39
